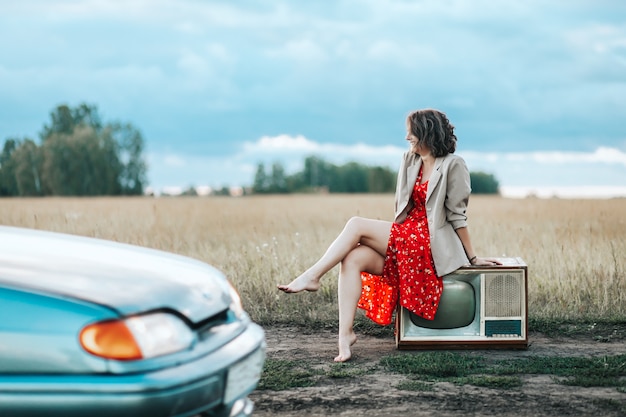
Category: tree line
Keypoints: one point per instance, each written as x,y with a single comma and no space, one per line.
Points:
77,155
319,175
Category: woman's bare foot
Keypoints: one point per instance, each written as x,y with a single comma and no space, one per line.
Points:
345,342
302,283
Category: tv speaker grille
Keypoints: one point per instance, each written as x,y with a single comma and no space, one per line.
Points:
503,295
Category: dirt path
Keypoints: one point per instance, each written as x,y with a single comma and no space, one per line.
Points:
374,393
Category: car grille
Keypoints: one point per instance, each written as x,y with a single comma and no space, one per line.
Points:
216,320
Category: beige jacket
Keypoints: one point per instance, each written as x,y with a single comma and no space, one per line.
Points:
446,203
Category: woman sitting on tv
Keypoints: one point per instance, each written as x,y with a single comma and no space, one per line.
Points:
383,263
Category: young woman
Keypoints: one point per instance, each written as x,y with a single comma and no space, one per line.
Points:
383,263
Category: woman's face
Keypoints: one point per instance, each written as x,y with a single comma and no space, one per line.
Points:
413,140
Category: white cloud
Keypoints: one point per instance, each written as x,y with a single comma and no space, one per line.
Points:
69,10
598,38
303,50
600,155
178,170
193,63
603,170
174,161
403,52
564,192
604,155
281,143
290,145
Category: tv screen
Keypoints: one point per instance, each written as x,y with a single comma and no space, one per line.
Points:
457,307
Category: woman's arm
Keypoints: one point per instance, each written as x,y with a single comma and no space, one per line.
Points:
464,236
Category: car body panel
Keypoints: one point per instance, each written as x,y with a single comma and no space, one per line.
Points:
35,329
188,388
53,285
125,277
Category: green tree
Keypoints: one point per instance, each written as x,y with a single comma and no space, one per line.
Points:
261,181
129,144
483,183
78,156
278,179
190,191
351,178
381,180
275,182
81,163
27,158
64,119
348,178
317,173
295,182
8,183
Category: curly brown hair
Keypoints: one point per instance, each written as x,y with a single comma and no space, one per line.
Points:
434,130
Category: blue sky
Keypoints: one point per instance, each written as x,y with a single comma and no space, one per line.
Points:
536,89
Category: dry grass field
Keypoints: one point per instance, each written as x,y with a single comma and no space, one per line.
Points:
575,249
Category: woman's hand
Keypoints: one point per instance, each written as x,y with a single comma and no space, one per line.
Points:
485,261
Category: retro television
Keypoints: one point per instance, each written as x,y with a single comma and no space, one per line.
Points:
481,307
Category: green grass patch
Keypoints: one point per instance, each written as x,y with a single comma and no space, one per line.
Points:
427,367
600,329
611,405
281,375
422,367
492,381
434,364
345,370
363,325
605,371
415,385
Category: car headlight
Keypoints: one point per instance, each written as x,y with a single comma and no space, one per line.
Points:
138,337
235,301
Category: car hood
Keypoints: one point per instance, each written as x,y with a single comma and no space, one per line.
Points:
129,279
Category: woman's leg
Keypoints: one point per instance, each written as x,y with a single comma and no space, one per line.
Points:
362,258
357,231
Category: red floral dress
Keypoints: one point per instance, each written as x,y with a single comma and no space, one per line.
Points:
409,273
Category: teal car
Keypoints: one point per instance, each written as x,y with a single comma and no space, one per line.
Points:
91,327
